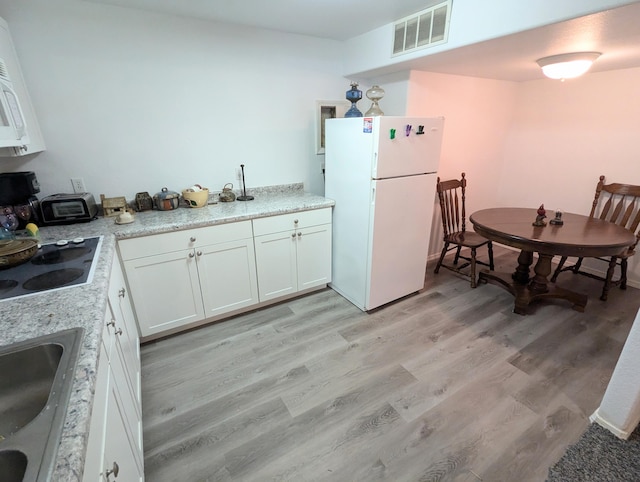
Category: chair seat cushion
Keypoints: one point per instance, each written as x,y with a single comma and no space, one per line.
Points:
469,239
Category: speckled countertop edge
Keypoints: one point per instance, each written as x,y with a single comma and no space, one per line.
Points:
84,306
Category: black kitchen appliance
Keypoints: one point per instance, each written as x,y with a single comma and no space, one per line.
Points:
68,208
18,197
58,265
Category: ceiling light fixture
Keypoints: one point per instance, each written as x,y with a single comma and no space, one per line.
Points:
567,66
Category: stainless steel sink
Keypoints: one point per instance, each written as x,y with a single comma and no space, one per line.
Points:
35,385
25,383
13,465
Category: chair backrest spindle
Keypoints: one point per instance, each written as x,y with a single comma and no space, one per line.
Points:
451,195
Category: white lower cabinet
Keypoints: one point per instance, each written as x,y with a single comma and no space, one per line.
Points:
186,276
123,458
127,340
180,278
293,252
114,447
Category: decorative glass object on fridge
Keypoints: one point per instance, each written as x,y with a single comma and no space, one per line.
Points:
374,94
353,95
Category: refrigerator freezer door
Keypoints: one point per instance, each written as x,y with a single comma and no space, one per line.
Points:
400,226
406,155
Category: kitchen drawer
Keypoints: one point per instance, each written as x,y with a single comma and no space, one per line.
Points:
186,239
287,222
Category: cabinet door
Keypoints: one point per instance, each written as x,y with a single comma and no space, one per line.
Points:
115,433
127,405
313,249
126,329
227,274
34,141
118,451
276,265
95,443
165,291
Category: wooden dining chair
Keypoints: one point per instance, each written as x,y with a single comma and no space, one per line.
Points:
619,204
452,205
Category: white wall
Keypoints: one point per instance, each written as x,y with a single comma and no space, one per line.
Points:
396,91
564,136
477,116
133,101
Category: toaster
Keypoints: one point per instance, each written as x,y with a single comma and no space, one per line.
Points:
68,208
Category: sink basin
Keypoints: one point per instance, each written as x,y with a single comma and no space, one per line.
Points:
13,465
36,377
25,384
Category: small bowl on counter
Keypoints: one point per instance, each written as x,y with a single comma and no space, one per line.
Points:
196,199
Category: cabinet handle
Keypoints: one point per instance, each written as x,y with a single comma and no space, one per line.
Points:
293,235
111,323
119,332
121,292
191,254
299,234
199,253
115,470
295,221
192,239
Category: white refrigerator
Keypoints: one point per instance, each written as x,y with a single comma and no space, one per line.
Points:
381,172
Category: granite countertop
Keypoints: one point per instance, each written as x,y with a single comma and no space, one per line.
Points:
84,306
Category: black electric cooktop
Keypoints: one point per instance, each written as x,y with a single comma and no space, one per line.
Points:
55,266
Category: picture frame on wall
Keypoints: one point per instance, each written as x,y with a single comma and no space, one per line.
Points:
327,109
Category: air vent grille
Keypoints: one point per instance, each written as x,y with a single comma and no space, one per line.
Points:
423,29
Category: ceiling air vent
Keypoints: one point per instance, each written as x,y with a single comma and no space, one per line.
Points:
423,29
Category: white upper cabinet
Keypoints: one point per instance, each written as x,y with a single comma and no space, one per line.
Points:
19,130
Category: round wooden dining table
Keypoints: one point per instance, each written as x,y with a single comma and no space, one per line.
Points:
578,236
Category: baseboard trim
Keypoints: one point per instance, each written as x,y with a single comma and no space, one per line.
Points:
622,434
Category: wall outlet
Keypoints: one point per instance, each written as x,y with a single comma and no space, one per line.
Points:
78,184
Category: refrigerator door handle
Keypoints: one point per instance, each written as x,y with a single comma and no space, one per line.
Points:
375,165
373,195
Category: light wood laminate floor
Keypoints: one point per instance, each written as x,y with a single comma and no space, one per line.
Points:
444,385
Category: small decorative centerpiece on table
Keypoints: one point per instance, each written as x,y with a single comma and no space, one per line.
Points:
541,214
557,221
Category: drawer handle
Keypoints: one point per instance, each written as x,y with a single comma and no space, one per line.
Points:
299,235
191,254
199,253
113,471
293,235
192,239
121,292
295,221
